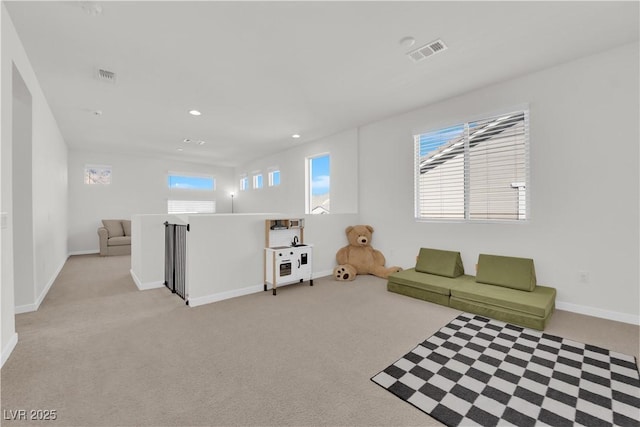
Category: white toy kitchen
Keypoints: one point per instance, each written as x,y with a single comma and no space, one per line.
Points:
287,259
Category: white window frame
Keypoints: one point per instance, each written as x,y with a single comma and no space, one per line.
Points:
258,181
272,176
102,176
244,183
519,186
309,182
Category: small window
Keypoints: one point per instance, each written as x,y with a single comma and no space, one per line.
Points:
191,206
244,183
257,181
318,184
191,182
97,174
474,171
274,178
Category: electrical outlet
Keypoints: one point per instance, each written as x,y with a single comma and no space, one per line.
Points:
584,276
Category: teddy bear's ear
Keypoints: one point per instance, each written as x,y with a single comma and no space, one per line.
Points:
348,230
370,228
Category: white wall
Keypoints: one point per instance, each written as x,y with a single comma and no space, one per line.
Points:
49,185
584,182
225,253
138,186
327,234
147,248
22,191
289,196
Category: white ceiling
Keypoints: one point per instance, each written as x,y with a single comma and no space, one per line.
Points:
262,71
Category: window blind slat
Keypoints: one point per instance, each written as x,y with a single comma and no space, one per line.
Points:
191,206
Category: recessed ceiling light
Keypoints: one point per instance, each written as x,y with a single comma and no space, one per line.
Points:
295,135
194,112
179,149
97,113
186,140
201,142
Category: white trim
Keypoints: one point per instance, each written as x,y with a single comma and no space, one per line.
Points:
633,319
322,274
27,308
194,302
190,174
45,291
145,286
86,252
208,299
308,180
8,349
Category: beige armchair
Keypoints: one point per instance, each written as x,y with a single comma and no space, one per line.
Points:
115,237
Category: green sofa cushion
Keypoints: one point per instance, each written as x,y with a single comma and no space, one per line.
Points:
539,302
429,282
422,294
504,314
439,262
509,272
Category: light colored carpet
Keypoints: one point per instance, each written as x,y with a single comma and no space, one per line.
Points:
100,352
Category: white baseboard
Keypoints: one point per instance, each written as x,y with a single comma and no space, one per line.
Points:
145,286
87,252
598,312
8,349
325,273
208,299
45,291
27,308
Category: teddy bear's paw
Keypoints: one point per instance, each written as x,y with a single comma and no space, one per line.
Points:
345,273
341,273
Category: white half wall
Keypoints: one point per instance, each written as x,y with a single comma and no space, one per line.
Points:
49,184
289,196
584,191
139,186
225,253
147,248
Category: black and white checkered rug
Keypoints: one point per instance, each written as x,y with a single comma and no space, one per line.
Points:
477,371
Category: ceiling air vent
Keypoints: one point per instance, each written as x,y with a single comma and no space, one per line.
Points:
427,50
106,76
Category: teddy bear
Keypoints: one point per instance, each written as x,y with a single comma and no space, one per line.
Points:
359,257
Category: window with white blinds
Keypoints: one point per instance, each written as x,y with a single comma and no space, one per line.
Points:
191,206
474,171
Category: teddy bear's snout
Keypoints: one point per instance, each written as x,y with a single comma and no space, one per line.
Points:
362,240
